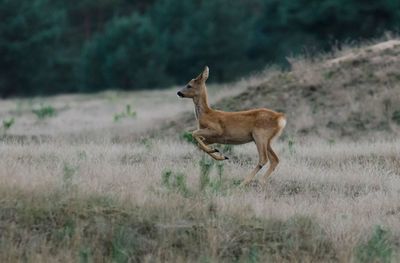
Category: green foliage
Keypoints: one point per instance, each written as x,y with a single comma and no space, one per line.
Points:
317,25
199,30
331,142
205,168
227,148
31,51
8,123
126,56
123,245
68,175
188,137
396,117
175,181
85,255
66,231
377,249
206,164
291,143
49,46
44,112
146,142
128,113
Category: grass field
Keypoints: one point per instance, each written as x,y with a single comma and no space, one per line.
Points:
94,178
68,197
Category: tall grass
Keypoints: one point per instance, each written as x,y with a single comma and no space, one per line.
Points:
117,202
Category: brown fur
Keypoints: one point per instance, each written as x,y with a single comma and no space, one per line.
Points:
258,125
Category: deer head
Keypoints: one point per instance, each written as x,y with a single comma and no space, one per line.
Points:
195,87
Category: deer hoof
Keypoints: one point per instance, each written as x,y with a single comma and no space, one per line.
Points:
226,158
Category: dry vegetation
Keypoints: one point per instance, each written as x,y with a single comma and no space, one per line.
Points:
351,94
78,183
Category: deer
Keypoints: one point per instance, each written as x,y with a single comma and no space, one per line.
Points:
260,126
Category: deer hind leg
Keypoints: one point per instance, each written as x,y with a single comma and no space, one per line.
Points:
199,136
263,159
274,161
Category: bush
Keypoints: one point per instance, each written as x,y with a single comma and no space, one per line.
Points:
44,112
377,249
175,181
128,113
8,123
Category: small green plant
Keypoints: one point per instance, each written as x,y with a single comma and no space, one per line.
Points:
175,181
220,170
8,123
396,117
68,174
165,177
66,231
128,113
188,137
228,148
331,142
328,74
253,255
291,143
44,112
205,168
377,249
146,142
123,244
82,155
85,255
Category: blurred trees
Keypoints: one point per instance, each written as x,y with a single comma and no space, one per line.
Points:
59,46
30,58
128,54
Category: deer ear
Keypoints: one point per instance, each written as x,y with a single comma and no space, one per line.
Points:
204,75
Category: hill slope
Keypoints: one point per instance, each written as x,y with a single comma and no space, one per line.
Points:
353,94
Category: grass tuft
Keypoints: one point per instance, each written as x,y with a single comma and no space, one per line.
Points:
45,111
378,248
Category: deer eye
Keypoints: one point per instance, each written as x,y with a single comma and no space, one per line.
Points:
189,86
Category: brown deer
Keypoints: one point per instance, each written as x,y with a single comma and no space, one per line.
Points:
214,126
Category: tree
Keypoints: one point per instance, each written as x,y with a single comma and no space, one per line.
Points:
29,35
127,55
287,27
212,32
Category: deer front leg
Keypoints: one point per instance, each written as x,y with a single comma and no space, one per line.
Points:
200,135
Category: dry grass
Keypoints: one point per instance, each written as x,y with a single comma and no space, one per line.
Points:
351,94
346,190
79,186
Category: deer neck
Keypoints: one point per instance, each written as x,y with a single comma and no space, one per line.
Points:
201,106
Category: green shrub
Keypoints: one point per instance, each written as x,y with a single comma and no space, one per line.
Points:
128,113
205,169
188,137
124,244
68,174
377,249
85,255
175,181
8,123
291,143
44,111
228,148
396,117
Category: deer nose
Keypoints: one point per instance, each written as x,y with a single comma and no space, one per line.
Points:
180,94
